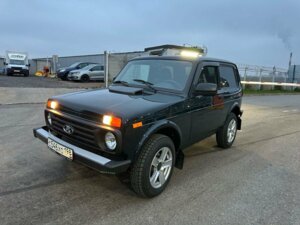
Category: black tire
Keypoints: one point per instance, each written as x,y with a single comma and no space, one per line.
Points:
141,170
85,78
26,74
222,138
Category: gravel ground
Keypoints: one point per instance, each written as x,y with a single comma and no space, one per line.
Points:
41,82
255,182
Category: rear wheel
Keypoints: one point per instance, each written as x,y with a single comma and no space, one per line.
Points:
152,171
226,135
85,78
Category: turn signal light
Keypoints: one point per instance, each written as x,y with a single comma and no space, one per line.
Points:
52,104
111,121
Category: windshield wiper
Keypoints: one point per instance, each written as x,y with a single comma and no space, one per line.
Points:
147,83
125,83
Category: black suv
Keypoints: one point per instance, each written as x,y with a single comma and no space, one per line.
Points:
64,72
156,107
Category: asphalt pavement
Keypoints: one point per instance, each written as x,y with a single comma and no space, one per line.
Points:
257,181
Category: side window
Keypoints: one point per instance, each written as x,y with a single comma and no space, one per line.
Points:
82,65
209,74
96,68
227,77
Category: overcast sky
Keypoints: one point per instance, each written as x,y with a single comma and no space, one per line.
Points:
259,32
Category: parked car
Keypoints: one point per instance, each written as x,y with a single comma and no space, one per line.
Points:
156,107
90,72
64,72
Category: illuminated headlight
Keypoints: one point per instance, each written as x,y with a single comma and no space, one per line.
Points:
52,104
62,70
110,141
49,119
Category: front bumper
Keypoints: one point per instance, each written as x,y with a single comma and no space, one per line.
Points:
17,71
73,77
90,159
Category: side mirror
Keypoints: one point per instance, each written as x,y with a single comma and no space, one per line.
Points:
114,78
28,65
206,89
4,63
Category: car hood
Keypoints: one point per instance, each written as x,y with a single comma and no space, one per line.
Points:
75,71
126,106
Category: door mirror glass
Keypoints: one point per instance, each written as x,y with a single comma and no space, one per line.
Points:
206,89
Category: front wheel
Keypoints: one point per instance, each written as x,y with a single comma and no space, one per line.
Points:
85,78
226,135
152,171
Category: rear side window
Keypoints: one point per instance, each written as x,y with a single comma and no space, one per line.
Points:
227,77
209,74
96,68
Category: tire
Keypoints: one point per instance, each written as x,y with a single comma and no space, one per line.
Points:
85,78
223,137
26,74
144,168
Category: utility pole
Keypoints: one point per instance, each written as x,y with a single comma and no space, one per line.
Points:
106,68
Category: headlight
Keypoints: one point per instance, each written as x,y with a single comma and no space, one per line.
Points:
52,104
63,70
110,140
49,119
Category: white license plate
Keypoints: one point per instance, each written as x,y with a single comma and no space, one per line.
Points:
60,149
17,71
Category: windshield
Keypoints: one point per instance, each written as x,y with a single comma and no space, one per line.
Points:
73,65
168,74
16,62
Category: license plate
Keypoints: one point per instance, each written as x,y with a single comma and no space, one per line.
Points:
60,149
17,71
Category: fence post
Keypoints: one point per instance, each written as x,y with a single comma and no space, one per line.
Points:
245,77
273,77
106,68
260,75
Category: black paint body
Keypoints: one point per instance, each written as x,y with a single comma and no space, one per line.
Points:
185,116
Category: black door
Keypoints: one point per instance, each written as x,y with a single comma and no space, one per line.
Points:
205,110
229,88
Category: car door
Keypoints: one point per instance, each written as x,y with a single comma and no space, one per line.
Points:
94,73
205,109
229,87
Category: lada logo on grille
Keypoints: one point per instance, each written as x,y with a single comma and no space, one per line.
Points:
68,129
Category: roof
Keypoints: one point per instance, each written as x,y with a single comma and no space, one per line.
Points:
198,49
197,59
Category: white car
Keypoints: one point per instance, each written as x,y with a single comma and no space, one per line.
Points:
90,72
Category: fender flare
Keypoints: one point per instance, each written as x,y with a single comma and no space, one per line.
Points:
239,114
157,126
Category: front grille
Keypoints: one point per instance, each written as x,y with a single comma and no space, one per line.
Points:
84,135
86,115
16,68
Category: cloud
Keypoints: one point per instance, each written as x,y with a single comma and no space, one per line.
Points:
253,32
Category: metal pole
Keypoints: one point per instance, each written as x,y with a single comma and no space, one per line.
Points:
106,68
290,62
294,72
260,75
245,77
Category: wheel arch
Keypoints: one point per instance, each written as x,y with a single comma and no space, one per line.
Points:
165,127
171,130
